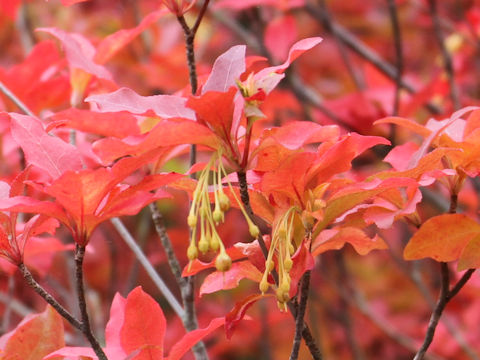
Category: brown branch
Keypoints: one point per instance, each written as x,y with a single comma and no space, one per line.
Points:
27,275
82,304
299,322
447,59
437,312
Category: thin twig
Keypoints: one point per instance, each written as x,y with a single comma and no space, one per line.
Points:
364,51
24,28
8,93
299,322
157,280
397,39
17,307
82,304
447,58
27,275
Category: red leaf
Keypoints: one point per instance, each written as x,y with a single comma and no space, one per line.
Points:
125,99
215,109
35,337
238,312
144,326
47,152
442,238
191,338
118,124
226,70
230,279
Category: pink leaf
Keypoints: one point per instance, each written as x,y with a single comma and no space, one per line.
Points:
79,52
295,51
47,152
280,34
227,68
165,106
230,279
191,338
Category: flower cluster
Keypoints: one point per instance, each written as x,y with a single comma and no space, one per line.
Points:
282,246
201,218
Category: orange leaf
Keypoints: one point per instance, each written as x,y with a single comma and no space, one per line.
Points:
36,336
442,238
334,239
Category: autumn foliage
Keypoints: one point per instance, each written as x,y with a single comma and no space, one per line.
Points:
239,179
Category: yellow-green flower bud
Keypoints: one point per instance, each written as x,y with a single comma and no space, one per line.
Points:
192,221
287,264
217,215
254,230
264,286
203,245
224,201
223,262
192,252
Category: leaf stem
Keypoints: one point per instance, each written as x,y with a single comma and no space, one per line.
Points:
82,304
